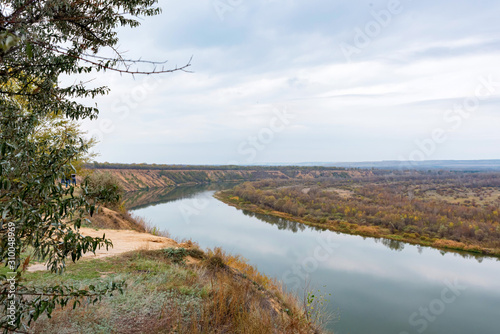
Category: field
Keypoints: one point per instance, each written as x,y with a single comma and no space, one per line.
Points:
454,210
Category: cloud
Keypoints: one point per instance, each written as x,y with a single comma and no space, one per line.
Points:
268,54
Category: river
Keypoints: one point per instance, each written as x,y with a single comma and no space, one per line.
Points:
371,286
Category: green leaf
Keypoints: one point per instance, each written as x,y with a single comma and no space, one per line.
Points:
29,50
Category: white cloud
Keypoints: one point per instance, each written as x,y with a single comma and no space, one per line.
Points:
286,53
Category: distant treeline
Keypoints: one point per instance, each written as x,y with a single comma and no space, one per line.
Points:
107,165
450,165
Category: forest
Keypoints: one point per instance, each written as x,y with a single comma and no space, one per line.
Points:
455,210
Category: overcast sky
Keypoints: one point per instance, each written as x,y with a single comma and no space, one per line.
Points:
307,81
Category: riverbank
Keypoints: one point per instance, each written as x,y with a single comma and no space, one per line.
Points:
365,231
172,286
146,177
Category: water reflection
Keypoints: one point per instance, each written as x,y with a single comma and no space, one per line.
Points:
392,244
376,284
142,199
281,223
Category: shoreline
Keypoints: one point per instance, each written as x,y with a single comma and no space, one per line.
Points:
367,231
171,272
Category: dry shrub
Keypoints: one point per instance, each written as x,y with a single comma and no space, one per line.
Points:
241,265
444,243
188,298
236,306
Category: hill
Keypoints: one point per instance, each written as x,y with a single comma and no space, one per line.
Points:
141,177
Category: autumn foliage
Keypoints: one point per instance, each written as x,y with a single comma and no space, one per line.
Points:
457,207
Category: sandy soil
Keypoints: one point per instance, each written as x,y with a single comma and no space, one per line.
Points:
123,241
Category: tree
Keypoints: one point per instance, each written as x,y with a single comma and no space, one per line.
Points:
104,188
54,131
40,40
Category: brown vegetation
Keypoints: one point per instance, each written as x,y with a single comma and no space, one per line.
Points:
179,290
400,206
117,220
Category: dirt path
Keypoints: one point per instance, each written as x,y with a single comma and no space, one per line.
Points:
123,241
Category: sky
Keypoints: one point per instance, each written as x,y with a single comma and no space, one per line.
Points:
289,81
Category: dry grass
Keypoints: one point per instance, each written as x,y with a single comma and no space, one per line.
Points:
344,193
117,220
465,196
443,243
121,219
178,291
175,290
148,227
241,265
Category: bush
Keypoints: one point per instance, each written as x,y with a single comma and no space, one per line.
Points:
215,263
176,255
104,188
479,234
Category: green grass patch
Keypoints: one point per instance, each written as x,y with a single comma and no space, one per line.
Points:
164,294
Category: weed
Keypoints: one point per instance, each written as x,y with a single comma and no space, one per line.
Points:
176,255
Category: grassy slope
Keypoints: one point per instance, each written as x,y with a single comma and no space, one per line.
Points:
354,229
181,290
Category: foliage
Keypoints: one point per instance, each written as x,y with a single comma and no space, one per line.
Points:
39,42
46,299
104,188
177,255
460,207
314,304
54,130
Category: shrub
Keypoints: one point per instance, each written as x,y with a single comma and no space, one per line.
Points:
479,234
215,262
104,188
176,255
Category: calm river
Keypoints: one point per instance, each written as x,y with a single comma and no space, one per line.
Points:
376,286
